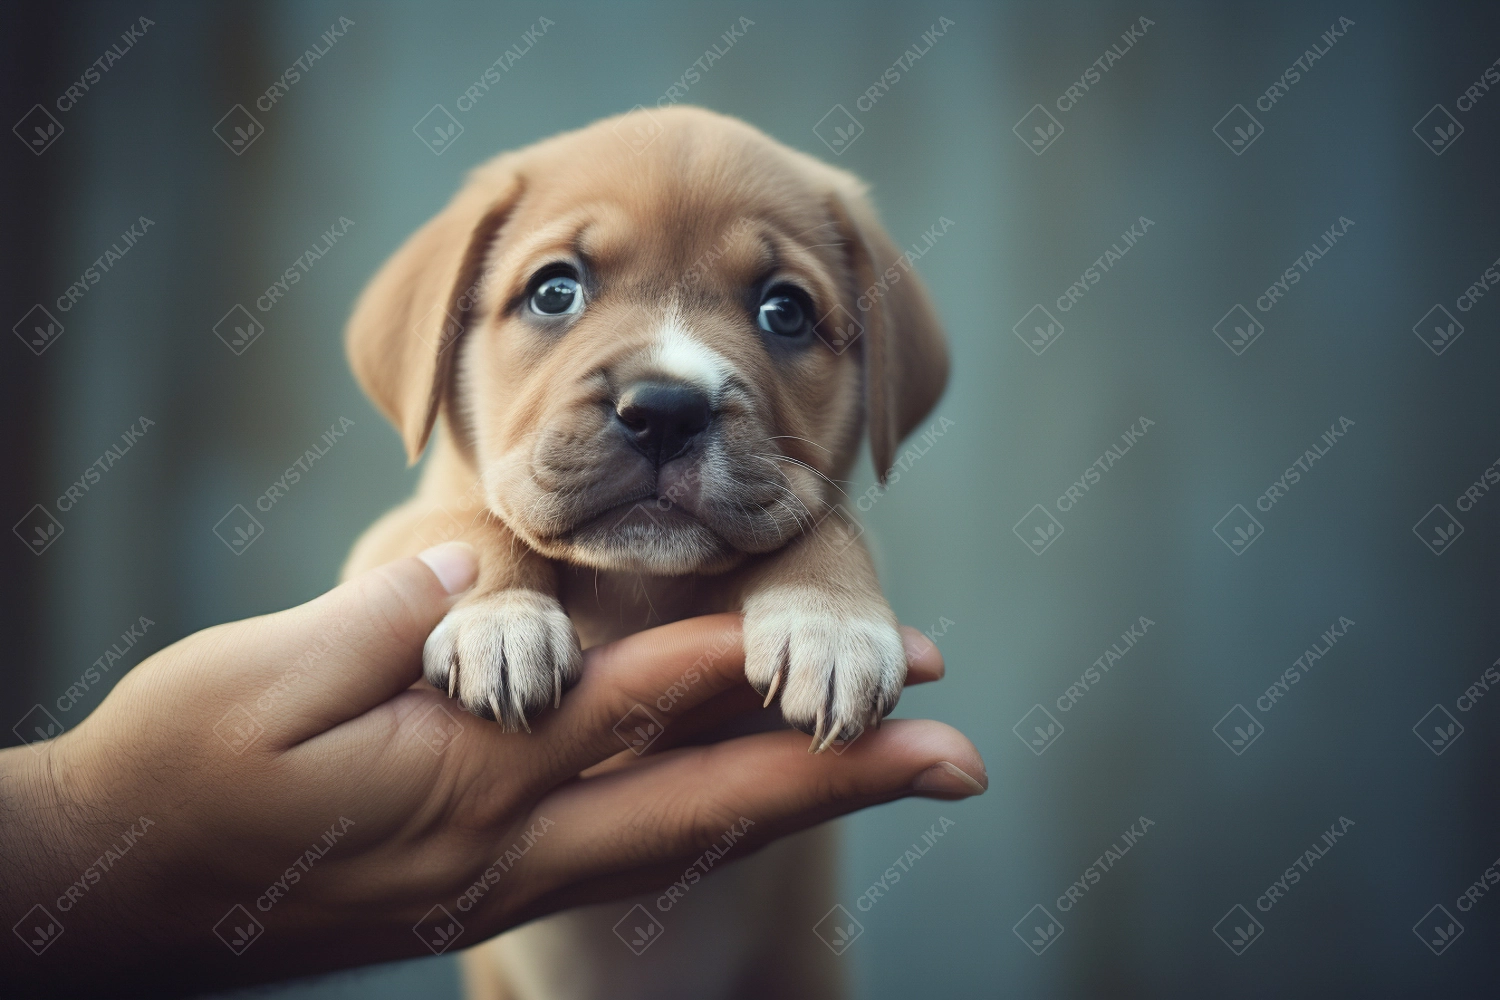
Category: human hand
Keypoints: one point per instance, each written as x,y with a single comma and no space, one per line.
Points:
295,805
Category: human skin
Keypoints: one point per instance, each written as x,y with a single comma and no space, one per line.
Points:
348,749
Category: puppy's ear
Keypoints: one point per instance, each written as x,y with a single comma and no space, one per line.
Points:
401,338
905,352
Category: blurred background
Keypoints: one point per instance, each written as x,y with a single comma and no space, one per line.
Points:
1215,124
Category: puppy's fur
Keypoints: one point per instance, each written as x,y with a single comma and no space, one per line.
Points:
585,536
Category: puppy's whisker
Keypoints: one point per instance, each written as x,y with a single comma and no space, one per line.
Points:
787,458
794,510
794,437
813,229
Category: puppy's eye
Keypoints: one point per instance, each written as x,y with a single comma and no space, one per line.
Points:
784,311
558,295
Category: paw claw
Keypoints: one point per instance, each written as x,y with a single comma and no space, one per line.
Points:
504,655
837,663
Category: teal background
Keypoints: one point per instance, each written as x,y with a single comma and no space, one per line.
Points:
1023,626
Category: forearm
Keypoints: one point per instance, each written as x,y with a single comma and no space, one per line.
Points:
38,861
80,884
102,894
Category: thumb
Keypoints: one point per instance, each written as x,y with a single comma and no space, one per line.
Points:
367,635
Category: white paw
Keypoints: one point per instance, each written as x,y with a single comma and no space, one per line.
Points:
504,656
837,663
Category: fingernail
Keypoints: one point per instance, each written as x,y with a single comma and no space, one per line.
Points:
946,779
454,564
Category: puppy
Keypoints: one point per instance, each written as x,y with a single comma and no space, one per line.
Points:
647,370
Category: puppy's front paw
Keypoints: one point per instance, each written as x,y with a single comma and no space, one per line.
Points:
837,662
505,656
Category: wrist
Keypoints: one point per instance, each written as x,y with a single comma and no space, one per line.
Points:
34,846
72,881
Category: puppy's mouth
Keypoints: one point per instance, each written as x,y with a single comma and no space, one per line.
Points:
662,524
704,512
645,516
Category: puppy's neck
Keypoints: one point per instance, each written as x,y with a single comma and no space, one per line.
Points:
606,605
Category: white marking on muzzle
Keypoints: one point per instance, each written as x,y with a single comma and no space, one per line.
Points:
679,354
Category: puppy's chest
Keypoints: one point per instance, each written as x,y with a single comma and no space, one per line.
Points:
608,606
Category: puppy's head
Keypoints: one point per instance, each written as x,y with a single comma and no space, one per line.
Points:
656,361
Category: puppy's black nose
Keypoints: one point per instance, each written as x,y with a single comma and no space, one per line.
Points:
662,418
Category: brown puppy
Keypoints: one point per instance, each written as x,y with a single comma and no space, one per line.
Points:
646,372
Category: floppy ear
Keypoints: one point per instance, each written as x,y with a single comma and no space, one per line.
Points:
905,352
401,337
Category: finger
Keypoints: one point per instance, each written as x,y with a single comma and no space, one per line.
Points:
641,687
739,710
667,811
634,689
924,662
358,645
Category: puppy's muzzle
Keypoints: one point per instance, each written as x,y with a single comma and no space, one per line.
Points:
662,419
